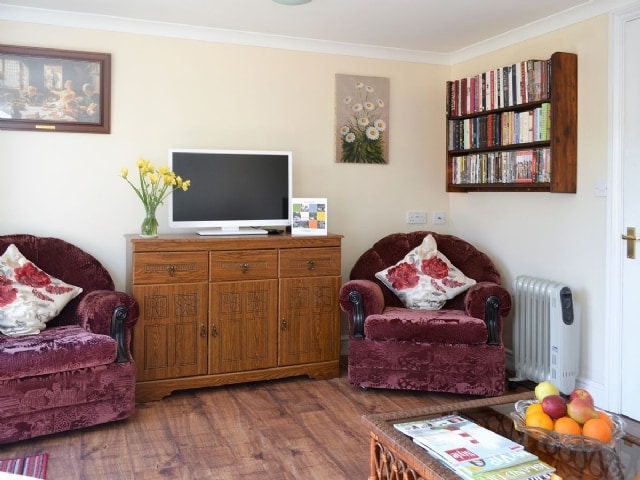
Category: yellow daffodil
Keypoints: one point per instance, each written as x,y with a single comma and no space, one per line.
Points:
156,184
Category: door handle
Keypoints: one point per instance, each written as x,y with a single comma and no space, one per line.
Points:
631,239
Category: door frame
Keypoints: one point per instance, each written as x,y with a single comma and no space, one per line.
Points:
613,292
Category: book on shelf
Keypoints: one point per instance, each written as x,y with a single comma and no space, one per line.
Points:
465,446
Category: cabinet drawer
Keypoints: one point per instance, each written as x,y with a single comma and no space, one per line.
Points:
308,262
243,265
189,267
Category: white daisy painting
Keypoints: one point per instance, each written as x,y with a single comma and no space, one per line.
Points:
362,113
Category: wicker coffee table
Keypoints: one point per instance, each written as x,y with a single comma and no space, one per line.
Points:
394,456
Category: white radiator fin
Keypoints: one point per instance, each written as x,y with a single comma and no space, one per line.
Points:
546,333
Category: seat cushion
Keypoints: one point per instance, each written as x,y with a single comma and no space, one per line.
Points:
430,326
56,349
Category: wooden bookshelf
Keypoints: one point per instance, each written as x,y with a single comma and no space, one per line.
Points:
514,128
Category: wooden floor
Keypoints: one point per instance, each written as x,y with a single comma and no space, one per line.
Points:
284,429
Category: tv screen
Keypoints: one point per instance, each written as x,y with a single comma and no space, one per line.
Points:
232,191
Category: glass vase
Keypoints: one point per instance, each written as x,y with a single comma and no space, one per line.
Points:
149,227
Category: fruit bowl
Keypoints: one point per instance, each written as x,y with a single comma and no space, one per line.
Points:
573,442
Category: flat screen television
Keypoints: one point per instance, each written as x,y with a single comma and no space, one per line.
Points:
232,192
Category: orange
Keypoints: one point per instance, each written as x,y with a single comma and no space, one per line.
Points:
567,425
604,416
539,419
597,428
533,408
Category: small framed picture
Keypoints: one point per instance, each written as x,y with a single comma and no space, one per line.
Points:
309,216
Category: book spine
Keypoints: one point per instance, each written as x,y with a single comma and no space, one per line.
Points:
499,92
464,100
522,80
513,85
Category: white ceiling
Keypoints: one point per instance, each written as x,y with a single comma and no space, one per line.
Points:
429,30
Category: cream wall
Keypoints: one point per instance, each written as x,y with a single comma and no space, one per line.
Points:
555,236
169,93
185,93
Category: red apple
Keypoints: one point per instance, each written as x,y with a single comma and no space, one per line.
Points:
581,410
583,394
554,406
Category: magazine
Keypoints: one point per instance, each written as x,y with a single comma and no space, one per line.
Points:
523,471
475,468
465,445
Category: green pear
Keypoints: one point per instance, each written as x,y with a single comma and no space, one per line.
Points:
544,389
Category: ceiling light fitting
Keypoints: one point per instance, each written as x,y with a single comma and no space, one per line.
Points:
291,2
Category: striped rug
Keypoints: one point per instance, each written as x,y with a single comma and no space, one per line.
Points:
34,466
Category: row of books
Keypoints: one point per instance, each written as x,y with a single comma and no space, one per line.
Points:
474,452
503,87
531,165
497,129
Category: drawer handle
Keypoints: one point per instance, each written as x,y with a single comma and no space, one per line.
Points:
214,331
203,330
283,324
311,264
244,267
172,270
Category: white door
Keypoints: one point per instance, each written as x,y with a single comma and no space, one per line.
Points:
624,291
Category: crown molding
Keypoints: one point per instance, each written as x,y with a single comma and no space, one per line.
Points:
162,29
546,25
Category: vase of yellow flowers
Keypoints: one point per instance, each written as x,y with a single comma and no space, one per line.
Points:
156,184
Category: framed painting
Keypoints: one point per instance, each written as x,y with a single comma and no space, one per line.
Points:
44,89
362,117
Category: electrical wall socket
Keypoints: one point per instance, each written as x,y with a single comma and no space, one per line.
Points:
439,218
416,216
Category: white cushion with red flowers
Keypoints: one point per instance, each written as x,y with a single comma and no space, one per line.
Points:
29,297
425,279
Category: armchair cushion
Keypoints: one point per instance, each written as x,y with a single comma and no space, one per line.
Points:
441,326
425,278
29,297
61,349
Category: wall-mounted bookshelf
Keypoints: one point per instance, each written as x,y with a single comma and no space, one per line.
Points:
514,128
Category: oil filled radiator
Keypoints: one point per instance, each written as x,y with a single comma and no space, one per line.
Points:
546,333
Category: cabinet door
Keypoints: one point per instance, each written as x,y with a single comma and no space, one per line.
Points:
309,320
243,326
170,338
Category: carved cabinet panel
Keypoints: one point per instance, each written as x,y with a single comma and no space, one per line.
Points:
309,324
243,325
170,338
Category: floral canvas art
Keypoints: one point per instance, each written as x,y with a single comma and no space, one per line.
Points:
362,112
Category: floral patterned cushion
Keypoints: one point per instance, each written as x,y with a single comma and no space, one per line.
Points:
29,297
425,278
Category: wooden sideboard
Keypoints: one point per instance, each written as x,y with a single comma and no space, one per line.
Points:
221,310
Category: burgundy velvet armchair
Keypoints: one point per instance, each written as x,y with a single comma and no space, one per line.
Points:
456,349
78,371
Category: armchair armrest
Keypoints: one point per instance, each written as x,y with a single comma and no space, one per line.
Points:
491,302
108,312
360,298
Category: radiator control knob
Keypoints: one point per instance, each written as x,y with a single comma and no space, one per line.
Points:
566,303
